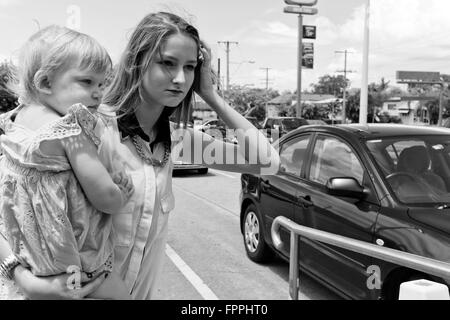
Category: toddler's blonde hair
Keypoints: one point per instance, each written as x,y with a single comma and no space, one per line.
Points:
52,49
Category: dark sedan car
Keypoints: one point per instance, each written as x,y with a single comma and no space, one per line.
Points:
383,184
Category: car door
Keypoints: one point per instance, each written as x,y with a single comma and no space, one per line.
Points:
279,192
353,218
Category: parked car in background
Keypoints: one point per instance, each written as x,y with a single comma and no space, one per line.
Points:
281,125
179,165
219,130
385,184
215,128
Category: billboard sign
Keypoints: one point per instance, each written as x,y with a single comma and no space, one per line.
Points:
418,77
309,32
308,55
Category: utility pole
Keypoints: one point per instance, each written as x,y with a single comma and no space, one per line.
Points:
227,50
267,87
345,71
218,74
267,77
364,97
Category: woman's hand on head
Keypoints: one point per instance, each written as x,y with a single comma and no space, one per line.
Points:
56,287
205,88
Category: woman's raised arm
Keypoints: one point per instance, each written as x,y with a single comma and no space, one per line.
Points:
254,153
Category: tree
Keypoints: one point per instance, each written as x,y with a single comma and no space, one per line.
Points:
330,85
8,99
244,99
378,93
352,107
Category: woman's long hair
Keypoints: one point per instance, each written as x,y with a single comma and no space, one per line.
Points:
125,92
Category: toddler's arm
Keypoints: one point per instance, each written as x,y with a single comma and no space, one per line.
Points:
112,288
105,194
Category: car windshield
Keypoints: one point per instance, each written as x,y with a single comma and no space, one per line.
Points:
292,123
416,168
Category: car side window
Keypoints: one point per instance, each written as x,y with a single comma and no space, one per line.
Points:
292,155
332,158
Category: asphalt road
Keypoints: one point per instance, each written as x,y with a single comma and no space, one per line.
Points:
205,256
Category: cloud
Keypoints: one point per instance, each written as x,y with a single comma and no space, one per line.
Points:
279,29
6,3
269,33
410,29
404,35
326,30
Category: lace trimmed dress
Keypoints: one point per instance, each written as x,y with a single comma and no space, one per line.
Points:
44,214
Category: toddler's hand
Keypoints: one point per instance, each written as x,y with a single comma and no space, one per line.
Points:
124,182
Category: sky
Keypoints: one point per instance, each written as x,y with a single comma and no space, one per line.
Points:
409,35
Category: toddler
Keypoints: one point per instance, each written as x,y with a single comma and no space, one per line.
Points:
57,196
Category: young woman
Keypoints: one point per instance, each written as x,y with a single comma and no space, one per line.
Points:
163,64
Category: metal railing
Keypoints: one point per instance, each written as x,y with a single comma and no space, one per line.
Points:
419,263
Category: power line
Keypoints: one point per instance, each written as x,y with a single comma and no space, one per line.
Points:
227,50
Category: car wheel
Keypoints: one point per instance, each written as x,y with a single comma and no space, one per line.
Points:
254,241
203,171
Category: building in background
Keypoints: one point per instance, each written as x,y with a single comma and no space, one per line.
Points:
411,110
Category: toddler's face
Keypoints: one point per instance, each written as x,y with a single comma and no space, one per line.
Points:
72,86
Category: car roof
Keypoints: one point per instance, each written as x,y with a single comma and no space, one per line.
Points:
372,131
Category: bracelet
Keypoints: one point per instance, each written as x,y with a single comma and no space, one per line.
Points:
8,265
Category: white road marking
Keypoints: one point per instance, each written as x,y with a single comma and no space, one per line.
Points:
193,278
208,202
223,174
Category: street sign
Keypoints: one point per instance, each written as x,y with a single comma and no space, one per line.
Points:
301,3
300,10
308,55
309,32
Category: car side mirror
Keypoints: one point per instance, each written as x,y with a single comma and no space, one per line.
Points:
345,187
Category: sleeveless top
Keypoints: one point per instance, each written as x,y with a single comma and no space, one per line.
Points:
44,214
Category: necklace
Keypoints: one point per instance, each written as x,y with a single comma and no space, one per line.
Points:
140,148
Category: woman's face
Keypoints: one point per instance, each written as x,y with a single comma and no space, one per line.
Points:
171,74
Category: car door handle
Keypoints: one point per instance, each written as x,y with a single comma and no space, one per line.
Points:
305,201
